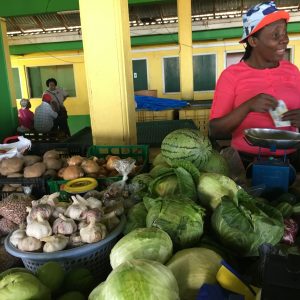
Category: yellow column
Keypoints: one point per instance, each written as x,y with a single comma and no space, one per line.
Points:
108,65
184,9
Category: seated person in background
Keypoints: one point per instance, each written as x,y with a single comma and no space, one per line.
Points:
248,90
44,115
25,116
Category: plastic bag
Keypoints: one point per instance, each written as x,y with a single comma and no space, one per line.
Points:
237,170
14,149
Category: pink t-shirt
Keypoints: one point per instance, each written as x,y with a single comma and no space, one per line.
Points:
25,118
240,82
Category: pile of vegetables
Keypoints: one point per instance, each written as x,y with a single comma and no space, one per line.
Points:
52,225
51,164
50,281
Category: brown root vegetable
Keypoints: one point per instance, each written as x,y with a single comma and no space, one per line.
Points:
53,163
51,173
110,162
11,165
8,188
75,160
90,166
103,171
113,173
51,154
36,170
71,172
29,160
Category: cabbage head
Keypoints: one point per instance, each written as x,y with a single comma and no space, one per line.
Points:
179,216
23,286
138,279
136,217
142,243
216,164
244,226
212,187
192,268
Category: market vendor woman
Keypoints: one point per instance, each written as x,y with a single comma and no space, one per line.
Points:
246,91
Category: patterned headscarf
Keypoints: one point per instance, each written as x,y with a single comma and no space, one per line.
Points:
259,16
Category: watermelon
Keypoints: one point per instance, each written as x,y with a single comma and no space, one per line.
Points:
186,144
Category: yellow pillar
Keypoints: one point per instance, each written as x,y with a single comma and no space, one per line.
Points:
108,64
184,9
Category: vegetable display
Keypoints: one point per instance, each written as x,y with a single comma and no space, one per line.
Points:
186,144
142,243
243,226
138,279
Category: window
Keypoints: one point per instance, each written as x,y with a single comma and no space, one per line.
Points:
37,77
204,67
16,79
171,74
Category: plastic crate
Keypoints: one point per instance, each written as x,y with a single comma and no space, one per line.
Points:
199,116
138,152
94,256
149,115
152,133
39,185
65,149
38,137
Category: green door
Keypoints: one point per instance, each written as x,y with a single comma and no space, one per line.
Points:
140,79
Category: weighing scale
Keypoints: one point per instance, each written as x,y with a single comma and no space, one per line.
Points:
275,173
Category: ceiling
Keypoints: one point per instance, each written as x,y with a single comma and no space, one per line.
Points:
139,16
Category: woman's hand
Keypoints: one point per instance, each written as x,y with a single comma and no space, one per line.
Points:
293,116
262,103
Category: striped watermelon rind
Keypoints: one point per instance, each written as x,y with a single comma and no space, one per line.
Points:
186,144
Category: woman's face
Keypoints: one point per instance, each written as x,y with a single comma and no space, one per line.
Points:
272,41
52,85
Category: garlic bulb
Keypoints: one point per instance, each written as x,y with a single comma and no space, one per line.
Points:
55,243
93,233
45,210
16,236
64,225
93,202
93,214
75,240
60,208
39,228
76,210
29,243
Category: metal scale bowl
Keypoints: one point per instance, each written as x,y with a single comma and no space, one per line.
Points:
275,173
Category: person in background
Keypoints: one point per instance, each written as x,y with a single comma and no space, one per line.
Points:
58,96
25,116
45,115
247,91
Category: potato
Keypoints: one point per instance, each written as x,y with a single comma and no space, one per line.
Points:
51,154
11,165
71,172
51,173
53,163
29,160
8,188
36,170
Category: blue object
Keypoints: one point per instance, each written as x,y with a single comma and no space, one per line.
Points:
153,103
216,292
275,174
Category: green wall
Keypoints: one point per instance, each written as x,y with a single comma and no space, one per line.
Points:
76,123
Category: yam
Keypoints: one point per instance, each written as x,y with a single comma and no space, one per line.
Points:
36,170
51,154
75,160
30,160
53,163
71,172
11,165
